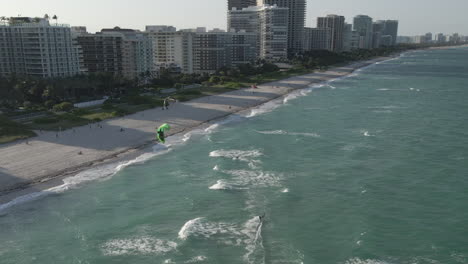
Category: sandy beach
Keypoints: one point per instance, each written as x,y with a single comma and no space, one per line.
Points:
43,161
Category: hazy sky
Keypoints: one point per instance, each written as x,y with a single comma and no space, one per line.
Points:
415,16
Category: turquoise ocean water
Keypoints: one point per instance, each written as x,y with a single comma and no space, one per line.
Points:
372,168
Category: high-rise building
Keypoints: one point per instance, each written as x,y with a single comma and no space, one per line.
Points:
317,39
391,29
428,38
403,40
336,24
244,19
160,28
441,38
270,23
239,4
378,29
363,25
215,50
296,18
386,41
351,38
33,46
384,29
102,52
172,49
455,38
137,60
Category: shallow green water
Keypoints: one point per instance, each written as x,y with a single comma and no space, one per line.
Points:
372,168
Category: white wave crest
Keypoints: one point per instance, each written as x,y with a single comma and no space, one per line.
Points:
242,155
265,108
364,261
137,246
220,185
196,259
282,132
200,228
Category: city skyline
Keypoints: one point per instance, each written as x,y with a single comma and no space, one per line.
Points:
446,17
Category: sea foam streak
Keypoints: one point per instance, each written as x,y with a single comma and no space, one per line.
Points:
137,246
282,132
200,228
365,261
241,155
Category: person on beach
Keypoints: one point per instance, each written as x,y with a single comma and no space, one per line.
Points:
166,102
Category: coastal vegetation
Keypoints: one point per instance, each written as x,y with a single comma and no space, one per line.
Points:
30,103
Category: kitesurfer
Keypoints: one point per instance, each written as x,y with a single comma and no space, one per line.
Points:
160,132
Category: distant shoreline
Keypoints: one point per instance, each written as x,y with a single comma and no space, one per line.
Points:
56,159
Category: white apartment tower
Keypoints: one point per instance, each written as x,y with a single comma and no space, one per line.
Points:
33,46
270,23
171,49
336,24
296,21
137,54
363,25
214,50
351,38
317,39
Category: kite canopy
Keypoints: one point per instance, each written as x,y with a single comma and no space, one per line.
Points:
164,127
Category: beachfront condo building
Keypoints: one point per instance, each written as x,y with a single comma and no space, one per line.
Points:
270,23
384,33
296,21
198,51
336,24
33,46
317,39
171,50
391,29
363,25
350,38
441,38
240,4
137,60
215,50
102,53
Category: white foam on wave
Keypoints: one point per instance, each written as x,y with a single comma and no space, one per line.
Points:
137,246
282,132
388,107
248,235
201,228
285,190
241,155
244,179
366,133
383,111
223,185
364,261
100,173
265,108
196,259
